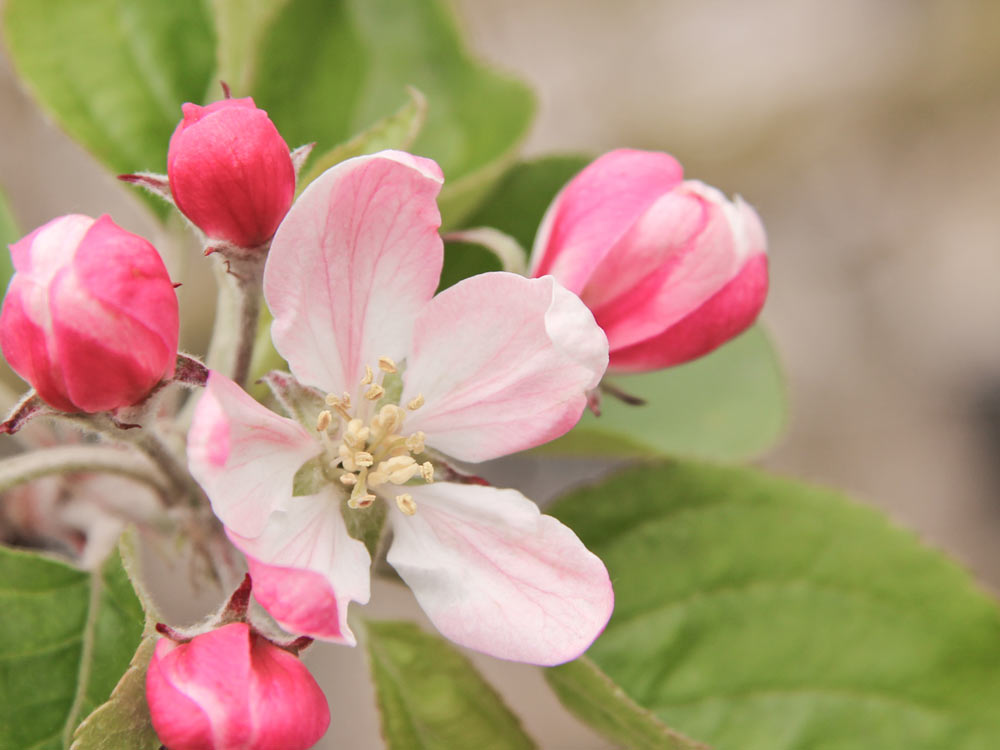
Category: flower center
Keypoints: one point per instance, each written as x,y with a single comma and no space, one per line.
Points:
367,453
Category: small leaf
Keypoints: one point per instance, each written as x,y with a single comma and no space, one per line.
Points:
397,131
114,74
123,721
431,697
330,68
66,636
596,700
727,406
756,613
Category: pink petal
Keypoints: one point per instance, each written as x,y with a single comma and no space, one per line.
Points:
726,314
209,673
244,455
307,569
288,709
674,258
595,209
497,576
351,265
503,363
24,344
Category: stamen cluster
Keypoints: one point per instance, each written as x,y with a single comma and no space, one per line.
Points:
376,452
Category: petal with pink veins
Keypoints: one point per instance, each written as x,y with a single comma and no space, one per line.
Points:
244,455
596,208
352,263
503,363
497,576
306,568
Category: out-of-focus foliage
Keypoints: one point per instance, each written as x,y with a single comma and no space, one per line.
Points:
757,613
66,637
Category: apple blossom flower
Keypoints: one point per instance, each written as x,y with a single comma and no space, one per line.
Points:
495,364
230,171
670,268
90,318
232,689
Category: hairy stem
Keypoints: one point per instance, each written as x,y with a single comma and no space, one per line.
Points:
70,459
237,310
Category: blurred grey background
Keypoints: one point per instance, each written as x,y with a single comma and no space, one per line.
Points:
867,134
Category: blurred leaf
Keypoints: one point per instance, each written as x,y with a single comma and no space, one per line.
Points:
727,406
515,206
66,637
330,68
757,613
397,131
114,73
240,26
9,233
431,697
597,701
518,202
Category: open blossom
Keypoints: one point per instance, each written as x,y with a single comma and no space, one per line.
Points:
230,171
670,268
90,317
495,364
232,689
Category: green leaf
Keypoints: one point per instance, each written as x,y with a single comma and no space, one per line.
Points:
240,26
727,406
515,206
330,68
397,131
596,700
66,637
756,613
114,73
431,697
124,720
518,201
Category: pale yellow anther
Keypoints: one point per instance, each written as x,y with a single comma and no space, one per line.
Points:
347,458
375,392
356,434
323,420
406,504
385,364
416,403
346,400
427,471
361,501
349,479
332,400
388,421
369,376
363,459
400,469
415,442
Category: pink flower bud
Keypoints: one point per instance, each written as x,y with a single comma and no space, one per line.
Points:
230,171
231,689
669,267
90,317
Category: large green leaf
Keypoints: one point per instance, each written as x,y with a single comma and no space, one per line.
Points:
431,697
114,73
330,68
727,406
756,613
598,701
66,637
